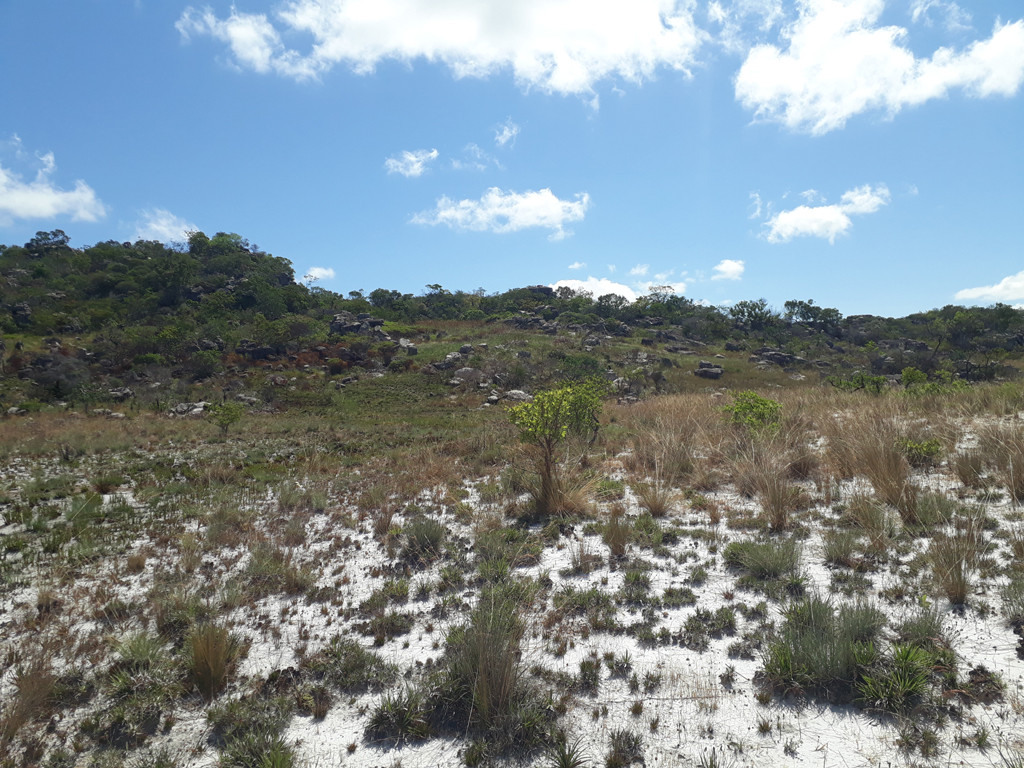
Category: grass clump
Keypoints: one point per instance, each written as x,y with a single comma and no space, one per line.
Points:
212,652
423,539
819,649
344,664
482,688
767,564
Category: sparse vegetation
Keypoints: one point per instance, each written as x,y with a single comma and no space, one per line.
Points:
158,573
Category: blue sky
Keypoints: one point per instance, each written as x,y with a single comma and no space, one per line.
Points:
866,154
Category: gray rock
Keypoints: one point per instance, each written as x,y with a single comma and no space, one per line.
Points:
518,396
709,373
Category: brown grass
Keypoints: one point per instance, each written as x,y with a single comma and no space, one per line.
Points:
212,653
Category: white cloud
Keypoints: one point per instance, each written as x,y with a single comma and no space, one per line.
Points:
956,18
756,206
505,133
612,268
411,164
678,287
319,273
578,265
826,221
499,211
836,62
640,270
160,224
736,18
40,198
1008,289
598,286
561,46
475,159
728,269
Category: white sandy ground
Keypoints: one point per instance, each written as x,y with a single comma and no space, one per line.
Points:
694,713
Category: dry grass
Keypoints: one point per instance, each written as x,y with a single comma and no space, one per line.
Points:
212,653
617,532
34,685
656,497
1002,446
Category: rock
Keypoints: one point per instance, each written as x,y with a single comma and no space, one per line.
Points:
709,373
21,313
493,400
116,415
466,349
469,375
706,364
733,346
524,354
121,394
248,400
518,396
16,411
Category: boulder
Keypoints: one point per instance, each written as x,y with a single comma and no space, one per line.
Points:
712,372
518,396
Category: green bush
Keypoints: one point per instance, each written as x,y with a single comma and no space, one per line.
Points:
756,413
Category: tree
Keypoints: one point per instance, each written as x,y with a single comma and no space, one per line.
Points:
546,422
226,414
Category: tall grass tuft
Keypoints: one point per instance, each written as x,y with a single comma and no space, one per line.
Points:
211,655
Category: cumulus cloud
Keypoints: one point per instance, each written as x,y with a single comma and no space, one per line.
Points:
499,211
561,46
411,164
835,62
506,132
1008,289
640,270
598,286
826,221
41,198
160,224
318,273
578,265
728,269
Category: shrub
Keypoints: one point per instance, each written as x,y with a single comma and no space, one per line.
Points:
546,422
755,413
920,453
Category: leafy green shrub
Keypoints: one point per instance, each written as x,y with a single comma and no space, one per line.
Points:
920,453
754,412
545,422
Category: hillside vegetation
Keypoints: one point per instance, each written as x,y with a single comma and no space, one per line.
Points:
248,523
